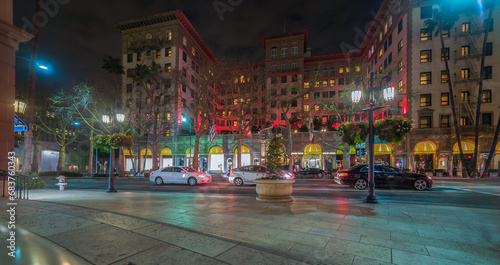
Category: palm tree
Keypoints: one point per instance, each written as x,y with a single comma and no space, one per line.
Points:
445,19
480,89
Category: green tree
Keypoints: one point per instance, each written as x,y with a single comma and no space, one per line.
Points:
444,19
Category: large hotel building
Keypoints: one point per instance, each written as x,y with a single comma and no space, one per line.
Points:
396,44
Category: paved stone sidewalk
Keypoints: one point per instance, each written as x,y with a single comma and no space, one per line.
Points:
185,228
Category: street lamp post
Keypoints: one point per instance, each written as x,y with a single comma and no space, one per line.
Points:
111,119
388,93
184,119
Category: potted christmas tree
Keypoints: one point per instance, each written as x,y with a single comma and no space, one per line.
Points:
273,187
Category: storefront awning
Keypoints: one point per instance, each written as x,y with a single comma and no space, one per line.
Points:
244,150
143,152
216,150
425,148
166,151
467,148
189,151
382,149
127,152
313,149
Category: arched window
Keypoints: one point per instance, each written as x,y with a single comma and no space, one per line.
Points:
139,38
295,50
149,36
274,52
158,35
168,35
184,41
332,70
316,71
130,41
325,71
284,51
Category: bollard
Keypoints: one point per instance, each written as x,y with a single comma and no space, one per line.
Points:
62,182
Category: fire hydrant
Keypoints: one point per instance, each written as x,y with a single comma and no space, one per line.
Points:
62,182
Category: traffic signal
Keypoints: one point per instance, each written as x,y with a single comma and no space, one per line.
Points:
357,151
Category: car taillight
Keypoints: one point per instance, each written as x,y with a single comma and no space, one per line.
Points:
151,173
343,174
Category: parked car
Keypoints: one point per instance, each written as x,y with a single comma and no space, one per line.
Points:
179,175
385,176
317,172
247,174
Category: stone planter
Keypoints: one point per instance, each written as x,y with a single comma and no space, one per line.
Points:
274,190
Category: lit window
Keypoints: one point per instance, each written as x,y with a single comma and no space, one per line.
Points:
425,121
486,96
316,107
465,73
465,50
306,107
380,53
445,121
445,99
184,40
400,86
357,68
149,36
332,82
446,33
347,69
425,78
168,35
325,83
341,70
324,119
168,52
400,66
306,96
465,96
426,56
445,52
235,123
465,26
425,100
306,84
425,35
400,46
444,77
158,54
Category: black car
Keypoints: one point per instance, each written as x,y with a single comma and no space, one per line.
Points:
385,176
318,172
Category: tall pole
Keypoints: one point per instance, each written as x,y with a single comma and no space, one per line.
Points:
191,160
28,136
371,176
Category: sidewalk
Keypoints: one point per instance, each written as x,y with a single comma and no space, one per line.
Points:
93,227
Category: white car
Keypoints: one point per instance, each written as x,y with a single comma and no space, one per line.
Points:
179,175
247,174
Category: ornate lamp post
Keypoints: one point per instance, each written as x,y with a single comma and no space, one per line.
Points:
111,119
388,93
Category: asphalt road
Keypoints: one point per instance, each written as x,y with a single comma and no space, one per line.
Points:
477,193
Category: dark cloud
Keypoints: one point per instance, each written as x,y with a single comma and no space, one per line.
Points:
77,38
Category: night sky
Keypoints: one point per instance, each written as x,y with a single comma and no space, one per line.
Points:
80,34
